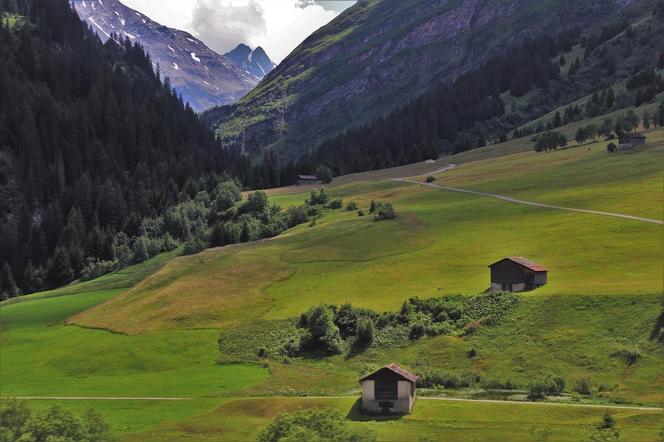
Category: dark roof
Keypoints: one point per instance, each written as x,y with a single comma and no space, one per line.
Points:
394,368
307,177
524,262
636,135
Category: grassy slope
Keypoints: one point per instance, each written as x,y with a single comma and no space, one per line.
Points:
580,176
445,241
243,419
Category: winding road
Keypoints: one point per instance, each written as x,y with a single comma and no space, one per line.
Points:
522,202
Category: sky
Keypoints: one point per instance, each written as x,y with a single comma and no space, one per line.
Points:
278,26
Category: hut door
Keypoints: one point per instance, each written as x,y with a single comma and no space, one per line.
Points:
386,390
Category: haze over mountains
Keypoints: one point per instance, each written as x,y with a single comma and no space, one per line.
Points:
203,77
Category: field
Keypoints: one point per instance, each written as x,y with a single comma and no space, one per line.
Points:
152,330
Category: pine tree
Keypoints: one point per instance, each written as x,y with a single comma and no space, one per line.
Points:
557,120
646,120
60,272
8,288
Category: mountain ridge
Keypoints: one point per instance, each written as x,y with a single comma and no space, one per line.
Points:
254,61
203,77
360,65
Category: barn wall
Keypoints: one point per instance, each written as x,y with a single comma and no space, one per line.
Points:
507,271
402,405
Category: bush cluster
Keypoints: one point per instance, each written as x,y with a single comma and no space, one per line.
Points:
331,329
325,424
19,423
550,386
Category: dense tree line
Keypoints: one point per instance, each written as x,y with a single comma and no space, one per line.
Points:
95,146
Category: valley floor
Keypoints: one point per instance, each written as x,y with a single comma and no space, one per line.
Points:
190,327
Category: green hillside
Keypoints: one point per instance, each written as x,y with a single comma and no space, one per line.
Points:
379,56
193,327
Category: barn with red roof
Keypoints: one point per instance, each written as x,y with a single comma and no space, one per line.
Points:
517,274
389,390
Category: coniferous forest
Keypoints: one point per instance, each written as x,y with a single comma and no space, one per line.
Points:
93,144
102,163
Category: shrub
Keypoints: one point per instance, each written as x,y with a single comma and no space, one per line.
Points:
314,425
630,353
611,147
431,179
94,268
360,213
335,204
319,197
19,423
536,391
256,203
297,215
324,174
262,352
471,328
193,246
292,347
384,211
417,330
366,330
472,353
323,332
351,206
583,386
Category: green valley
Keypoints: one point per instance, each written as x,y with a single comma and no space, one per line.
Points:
193,326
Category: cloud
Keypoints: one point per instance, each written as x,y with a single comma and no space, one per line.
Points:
329,5
223,26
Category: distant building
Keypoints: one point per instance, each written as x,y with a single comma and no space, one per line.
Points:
390,390
517,274
308,180
628,141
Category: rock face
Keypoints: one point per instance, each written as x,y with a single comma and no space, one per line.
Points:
204,78
255,62
380,54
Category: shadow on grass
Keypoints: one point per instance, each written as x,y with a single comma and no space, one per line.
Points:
358,347
356,414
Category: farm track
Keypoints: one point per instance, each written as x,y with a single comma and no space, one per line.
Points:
523,202
445,399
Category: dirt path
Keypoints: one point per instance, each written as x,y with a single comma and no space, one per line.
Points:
522,202
95,398
556,404
448,399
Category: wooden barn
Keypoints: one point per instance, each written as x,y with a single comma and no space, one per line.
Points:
308,180
517,274
628,141
390,390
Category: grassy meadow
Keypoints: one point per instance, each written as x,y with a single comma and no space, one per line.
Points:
190,327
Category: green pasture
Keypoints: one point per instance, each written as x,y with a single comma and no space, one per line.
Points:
584,177
243,419
152,330
42,356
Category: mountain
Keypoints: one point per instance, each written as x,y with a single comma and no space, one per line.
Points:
254,61
378,55
204,78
